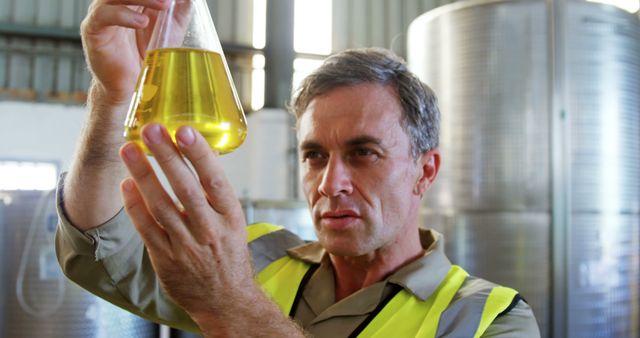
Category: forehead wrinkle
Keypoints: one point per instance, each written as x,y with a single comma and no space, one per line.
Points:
363,139
352,142
317,123
309,144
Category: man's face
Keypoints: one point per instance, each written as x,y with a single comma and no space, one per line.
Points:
358,174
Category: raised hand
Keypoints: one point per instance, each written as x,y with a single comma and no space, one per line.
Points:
199,253
115,34
198,250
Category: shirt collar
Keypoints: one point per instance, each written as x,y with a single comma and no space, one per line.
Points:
420,277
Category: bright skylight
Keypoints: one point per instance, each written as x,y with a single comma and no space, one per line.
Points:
303,67
257,82
630,6
16,175
312,26
259,23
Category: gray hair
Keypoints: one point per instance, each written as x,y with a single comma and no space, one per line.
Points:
421,116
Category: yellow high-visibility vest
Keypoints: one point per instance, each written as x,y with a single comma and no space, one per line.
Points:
404,315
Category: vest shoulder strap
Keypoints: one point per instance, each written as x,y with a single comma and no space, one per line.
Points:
498,301
257,230
281,279
407,316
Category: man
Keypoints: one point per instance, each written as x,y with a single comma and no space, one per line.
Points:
368,136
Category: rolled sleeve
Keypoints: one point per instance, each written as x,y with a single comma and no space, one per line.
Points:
114,242
102,242
111,262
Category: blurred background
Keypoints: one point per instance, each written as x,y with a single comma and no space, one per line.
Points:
539,187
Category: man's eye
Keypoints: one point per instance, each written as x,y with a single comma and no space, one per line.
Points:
363,152
311,155
363,155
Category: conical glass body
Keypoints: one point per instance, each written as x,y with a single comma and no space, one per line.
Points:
185,80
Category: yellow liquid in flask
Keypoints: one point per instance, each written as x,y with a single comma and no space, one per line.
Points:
182,86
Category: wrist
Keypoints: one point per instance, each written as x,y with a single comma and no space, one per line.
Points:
252,315
102,134
220,318
107,113
100,96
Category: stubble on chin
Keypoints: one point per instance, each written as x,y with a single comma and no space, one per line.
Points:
345,244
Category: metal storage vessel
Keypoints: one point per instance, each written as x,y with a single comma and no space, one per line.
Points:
539,187
37,300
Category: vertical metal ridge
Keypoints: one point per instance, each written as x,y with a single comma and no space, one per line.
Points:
560,184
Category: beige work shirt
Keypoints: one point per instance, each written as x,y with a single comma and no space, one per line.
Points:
110,261
319,314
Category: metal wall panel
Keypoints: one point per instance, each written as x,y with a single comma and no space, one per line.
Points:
243,23
44,15
23,11
42,68
35,67
233,17
340,26
376,23
4,62
19,64
394,28
359,23
223,21
5,10
233,20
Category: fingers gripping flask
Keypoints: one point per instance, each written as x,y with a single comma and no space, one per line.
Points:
185,80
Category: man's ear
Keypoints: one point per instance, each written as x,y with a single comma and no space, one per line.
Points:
430,165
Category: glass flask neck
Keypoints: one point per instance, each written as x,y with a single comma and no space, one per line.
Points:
185,24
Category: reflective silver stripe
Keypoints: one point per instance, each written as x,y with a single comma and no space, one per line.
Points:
462,317
271,247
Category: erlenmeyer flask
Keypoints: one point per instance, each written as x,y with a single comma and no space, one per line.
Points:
185,80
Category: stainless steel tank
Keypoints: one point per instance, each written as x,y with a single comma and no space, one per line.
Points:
37,299
495,68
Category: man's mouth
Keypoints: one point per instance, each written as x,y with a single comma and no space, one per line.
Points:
339,220
339,214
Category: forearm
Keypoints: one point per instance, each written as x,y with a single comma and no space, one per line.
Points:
91,191
255,316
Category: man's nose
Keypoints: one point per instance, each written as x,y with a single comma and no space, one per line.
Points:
336,179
